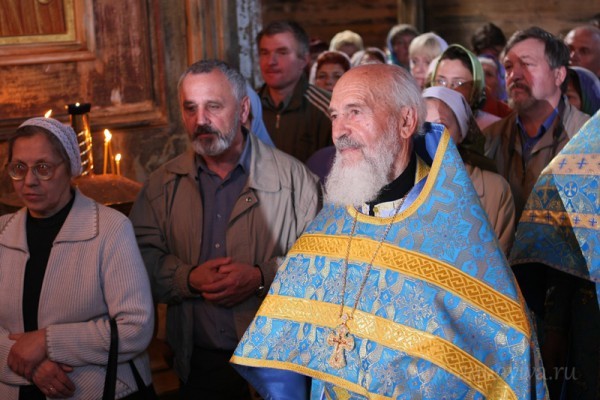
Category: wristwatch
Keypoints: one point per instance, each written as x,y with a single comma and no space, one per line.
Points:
262,290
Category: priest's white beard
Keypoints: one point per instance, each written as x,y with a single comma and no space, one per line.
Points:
359,182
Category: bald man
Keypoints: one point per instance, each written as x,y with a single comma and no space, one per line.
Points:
584,47
398,288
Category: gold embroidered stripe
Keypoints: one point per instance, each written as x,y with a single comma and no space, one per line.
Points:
395,336
562,218
574,164
421,267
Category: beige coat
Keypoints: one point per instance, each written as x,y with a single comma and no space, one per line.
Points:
497,201
505,147
279,200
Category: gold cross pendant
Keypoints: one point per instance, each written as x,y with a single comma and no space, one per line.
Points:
341,340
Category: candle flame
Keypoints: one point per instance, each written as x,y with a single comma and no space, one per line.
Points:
48,114
107,136
118,157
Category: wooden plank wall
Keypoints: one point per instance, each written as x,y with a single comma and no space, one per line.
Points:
324,18
455,20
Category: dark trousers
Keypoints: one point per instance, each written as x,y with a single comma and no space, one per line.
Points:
213,378
31,392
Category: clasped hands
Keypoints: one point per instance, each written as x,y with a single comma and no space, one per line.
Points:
28,358
224,281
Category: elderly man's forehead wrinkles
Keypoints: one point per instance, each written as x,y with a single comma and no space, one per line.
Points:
347,106
355,104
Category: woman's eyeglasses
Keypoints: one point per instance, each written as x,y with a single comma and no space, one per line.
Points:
43,171
453,84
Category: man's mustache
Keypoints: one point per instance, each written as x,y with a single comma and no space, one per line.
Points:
519,85
344,142
205,129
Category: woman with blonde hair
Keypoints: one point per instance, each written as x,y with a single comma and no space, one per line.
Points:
421,52
347,42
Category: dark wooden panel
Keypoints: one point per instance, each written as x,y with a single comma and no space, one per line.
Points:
123,81
325,18
32,17
455,20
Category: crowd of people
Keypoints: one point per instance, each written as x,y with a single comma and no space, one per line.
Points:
414,221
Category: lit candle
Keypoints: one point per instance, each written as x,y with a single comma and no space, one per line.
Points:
118,161
48,114
107,137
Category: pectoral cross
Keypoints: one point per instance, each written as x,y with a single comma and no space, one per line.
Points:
340,339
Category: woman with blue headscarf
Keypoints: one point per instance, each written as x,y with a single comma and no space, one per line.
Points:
257,126
583,90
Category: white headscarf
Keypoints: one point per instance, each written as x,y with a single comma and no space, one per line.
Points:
456,102
65,134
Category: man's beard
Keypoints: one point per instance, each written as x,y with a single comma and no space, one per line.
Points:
521,103
216,144
361,182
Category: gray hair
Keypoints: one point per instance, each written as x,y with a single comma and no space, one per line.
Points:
403,91
237,81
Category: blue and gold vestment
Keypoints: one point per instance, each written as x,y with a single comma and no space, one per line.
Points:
440,315
560,226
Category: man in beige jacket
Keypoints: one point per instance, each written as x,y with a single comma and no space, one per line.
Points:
524,142
210,225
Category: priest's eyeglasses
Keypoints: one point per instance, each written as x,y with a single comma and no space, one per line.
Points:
453,84
44,171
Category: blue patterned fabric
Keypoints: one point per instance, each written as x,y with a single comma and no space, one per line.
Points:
560,226
440,315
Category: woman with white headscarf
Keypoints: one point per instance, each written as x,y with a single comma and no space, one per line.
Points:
449,108
68,265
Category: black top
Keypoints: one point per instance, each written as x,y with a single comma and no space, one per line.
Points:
399,187
41,233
